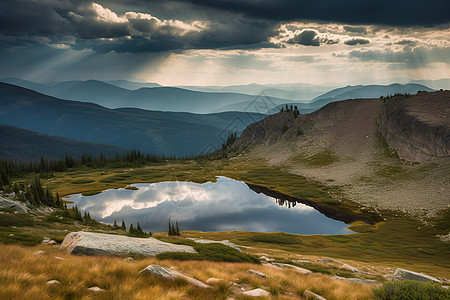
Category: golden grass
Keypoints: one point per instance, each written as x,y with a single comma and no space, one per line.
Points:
24,276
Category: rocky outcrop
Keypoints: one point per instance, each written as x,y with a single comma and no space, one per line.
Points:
223,242
256,293
7,203
403,274
257,273
417,127
310,295
357,280
91,243
170,274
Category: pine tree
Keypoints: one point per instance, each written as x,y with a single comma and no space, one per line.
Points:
139,230
123,226
170,228
115,226
177,229
132,230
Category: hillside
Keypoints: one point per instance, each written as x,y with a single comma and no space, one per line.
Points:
25,145
342,145
150,98
150,131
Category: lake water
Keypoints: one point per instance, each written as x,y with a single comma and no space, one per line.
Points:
225,205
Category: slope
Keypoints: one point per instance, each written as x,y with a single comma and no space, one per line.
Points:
150,131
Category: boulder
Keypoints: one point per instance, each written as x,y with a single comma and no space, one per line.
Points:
91,243
39,252
224,242
129,259
298,269
265,258
308,294
213,280
18,206
53,282
257,273
95,289
167,273
256,293
403,274
358,280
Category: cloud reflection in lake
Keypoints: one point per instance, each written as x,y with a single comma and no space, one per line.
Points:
221,206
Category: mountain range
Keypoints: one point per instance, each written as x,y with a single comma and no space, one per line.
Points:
168,133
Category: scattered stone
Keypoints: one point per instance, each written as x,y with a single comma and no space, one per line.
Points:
443,279
45,240
60,258
257,273
265,258
329,260
403,274
11,234
129,259
236,289
52,242
270,265
357,280
350,268
172,275
39,252
308,294
95,289
213,280
444,238
298,269
300,261
445,287
224,242
53,282
256,293
7,203
90,243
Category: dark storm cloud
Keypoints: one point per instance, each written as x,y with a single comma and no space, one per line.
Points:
356,41
310,37
356,29
97,27
381,12
406,42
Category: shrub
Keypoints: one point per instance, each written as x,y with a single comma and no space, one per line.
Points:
409,289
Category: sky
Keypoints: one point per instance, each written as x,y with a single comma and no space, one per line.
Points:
225,42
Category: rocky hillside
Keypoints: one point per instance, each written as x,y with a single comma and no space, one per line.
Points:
365,147
418,127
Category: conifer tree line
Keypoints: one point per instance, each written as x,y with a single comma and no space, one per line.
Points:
293,109
36,194
134,231
10,169
174,229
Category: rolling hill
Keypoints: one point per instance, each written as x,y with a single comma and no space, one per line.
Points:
156,132
24,145
156,98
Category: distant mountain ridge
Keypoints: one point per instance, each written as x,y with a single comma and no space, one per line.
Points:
163,133
151,98
25,145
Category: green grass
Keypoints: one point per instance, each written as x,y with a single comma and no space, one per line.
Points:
18,220
408,289
321,159
19,238
210,252
276,238
81,181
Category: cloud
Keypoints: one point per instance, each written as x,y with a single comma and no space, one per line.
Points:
310,37
406,42
381,12
356,29
411,57
356,41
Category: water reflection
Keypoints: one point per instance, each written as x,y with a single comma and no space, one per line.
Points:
221,206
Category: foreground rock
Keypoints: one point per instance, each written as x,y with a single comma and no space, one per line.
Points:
256,293
298,269
308,294
403,274
90,243
7,203
170,274
223,242
357,280
257,273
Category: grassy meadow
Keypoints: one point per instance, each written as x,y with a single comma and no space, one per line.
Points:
397,241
